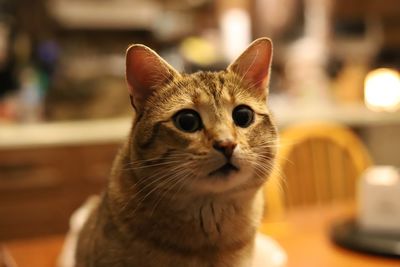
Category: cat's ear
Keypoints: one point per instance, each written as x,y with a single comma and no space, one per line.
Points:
254,65
145,72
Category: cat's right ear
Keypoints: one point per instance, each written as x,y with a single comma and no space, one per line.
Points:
145,72
254,65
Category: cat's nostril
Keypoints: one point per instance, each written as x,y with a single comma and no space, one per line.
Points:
225,147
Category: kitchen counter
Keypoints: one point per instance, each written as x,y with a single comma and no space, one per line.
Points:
64,133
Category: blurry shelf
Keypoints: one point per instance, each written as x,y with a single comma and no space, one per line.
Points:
351,115
105,15
64,133
116,130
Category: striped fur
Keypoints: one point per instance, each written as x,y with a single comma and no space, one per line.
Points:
161,208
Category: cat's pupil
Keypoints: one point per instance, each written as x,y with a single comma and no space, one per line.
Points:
187,120
243,116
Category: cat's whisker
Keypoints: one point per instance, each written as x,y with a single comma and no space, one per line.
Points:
269,169
191,173
267,165
189,178
148,184
281,158
271,144
178,179
261,149
175,153
157,177
262,171
177,158
166,178
153,165
145,187
157,159
280,178
169,183
146,179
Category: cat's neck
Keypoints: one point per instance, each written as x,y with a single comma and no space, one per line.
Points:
212,220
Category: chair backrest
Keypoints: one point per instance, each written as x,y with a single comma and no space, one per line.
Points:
317,163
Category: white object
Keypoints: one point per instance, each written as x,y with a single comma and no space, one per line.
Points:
379,199
268,253
77,221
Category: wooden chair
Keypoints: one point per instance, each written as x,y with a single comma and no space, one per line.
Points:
317,163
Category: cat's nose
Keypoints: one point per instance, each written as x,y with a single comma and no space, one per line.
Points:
225,147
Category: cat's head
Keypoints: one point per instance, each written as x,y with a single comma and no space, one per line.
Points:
206,132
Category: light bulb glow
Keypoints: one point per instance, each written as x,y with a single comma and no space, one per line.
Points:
382,176
382,90
235,26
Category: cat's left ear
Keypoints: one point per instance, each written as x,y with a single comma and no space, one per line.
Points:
254,65
145,73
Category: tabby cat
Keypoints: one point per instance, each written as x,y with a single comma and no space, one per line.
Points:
185,189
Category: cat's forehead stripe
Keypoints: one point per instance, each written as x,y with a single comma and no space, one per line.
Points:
213,92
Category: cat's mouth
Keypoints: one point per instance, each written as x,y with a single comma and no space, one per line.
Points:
224,170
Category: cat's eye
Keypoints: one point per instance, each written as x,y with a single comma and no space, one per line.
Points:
243,116
187,120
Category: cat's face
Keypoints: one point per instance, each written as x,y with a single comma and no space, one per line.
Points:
205,132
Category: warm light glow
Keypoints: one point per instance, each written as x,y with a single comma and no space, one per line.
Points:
382,176
236,32
382,90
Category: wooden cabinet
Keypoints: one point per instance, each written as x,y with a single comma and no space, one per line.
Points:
40,187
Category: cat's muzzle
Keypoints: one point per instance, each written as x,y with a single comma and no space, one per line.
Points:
224,170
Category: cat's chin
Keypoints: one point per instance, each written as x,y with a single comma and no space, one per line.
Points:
222,180
224,171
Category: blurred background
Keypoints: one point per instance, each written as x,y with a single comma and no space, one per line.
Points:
64,107
64,60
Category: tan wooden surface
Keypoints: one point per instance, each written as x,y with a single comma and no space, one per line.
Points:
304,234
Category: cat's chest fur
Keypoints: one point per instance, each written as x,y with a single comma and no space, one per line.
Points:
205,232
